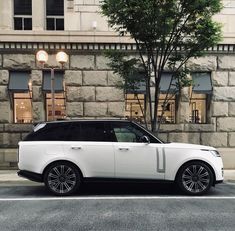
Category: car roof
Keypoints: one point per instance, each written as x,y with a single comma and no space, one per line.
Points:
87,120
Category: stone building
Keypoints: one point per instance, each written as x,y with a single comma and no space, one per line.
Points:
85,87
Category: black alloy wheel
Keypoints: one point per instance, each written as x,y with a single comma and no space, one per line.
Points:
195,178
62,179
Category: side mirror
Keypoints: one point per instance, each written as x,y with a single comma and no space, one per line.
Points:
145,139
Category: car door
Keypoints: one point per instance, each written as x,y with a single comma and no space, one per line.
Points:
89,146
135,159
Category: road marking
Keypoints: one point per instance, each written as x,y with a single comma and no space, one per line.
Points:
121,198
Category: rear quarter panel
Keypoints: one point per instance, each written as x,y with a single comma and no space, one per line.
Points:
34,155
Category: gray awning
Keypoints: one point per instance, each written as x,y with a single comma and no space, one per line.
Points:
58,84
19,81
165,83
202,83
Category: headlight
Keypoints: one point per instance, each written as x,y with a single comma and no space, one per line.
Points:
215,153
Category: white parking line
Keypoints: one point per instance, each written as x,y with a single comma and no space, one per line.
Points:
121,198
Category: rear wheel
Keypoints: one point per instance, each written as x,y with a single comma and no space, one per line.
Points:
62,178
195,178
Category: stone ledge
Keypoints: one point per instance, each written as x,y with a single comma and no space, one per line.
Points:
199,127
18,127
171,127
184,137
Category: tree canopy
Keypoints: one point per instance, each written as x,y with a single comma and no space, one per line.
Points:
167,33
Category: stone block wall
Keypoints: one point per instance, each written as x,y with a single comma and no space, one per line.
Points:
91,93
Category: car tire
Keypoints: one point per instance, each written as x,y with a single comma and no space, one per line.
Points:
62,178
195,178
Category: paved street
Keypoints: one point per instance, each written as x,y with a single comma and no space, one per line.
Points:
28,206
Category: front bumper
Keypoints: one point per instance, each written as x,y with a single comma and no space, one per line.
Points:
30,175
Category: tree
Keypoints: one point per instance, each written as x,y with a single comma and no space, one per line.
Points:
167,33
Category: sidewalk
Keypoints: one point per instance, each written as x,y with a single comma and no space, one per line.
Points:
10,176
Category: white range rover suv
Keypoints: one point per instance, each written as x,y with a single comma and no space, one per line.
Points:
63,154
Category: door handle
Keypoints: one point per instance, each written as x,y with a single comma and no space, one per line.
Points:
123,149
76,148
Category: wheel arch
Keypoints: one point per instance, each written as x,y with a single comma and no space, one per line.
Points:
62,161
197,160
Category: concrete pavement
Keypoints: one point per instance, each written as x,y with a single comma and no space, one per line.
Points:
8,176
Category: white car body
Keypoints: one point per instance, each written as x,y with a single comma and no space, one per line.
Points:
152,161
117,160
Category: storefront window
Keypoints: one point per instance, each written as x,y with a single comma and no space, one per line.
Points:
166,109
60,112
198,108
22,107
134,107
200,95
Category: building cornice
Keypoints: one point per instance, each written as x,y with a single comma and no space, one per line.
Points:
75,47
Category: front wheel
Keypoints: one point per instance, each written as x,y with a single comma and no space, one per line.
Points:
62,179
195,178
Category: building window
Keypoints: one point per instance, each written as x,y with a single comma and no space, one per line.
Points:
134,107
55,14
60,112
198,108
23,107
166,109
20,92
23,14
200,97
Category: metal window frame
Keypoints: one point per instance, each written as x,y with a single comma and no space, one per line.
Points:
54,17
22,17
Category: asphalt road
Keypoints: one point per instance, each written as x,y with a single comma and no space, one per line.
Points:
116,207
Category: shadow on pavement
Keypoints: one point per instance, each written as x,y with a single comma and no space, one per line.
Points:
111,189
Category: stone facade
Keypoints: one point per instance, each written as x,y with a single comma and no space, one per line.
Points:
91,93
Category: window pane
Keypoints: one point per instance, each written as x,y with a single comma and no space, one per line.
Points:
51,132
55,7
87,131
22,108
50,24
134,107
92,131
198,108
125,132
166,109
27,23
18,25
60,112
59,24
124,135
22,7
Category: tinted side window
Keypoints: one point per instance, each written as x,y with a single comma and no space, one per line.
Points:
51,132
128,132
125,132
87,131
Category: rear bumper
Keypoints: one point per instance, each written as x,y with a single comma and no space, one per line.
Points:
30,175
